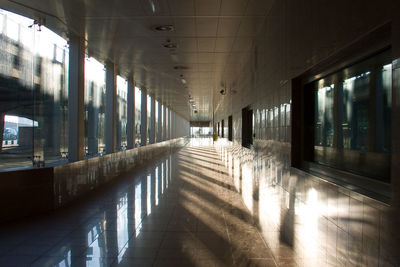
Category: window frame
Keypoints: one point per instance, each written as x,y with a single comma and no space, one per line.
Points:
302,115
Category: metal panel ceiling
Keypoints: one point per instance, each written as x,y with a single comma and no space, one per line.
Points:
209,34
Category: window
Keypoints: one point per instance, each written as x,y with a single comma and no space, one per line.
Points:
148,119
230,128
94,107
34,94
156,130
138,108
352,118
122,96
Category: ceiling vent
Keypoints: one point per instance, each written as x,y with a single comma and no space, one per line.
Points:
181,68
163,28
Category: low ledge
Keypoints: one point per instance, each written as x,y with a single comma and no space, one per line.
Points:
30,192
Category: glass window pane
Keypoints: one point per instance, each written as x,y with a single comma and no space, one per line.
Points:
324,127
353,118
148,118
34,94
121,108
156,120
94,107
138,108
356,112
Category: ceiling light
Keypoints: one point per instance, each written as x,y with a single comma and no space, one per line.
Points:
183,81
163,28
153,6
170,45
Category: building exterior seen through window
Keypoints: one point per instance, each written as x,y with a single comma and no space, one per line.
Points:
34,65
34,93
138,108
95,93
122,96
148,118
353,118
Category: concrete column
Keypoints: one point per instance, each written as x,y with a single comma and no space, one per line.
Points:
130,124
160,123
164,124
152,137
1,130
143,117
76,99
111,101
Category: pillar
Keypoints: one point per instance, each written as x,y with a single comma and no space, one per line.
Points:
76,99
152,137
130,124
111,100
143,118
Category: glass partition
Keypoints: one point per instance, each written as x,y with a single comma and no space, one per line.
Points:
121,108
156,121
138,109
148,118
94,107
162,137
33,93
352,125
166,125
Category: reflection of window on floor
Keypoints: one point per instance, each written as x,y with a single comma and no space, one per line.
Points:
352,111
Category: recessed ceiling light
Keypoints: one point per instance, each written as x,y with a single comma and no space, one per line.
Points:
183,81
170,45
163,28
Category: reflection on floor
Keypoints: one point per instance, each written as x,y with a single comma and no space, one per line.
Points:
183,211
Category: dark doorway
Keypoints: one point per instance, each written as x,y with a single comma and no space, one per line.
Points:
230,128
247,127
222,128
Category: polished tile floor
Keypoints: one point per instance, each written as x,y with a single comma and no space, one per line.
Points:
181,211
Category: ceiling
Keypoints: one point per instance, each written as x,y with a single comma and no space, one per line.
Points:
208,35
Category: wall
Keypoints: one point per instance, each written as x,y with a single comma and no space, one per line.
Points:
317,218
